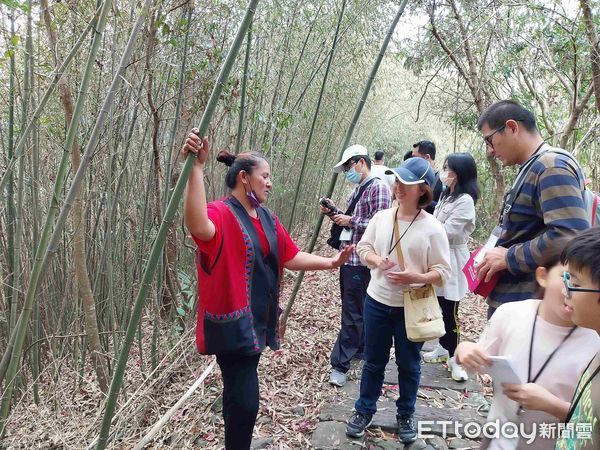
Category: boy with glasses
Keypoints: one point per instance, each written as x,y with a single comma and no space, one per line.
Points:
582,302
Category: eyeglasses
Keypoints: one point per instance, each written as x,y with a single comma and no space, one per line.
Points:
569,288
488,138
347,167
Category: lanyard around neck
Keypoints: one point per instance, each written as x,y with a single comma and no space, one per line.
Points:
511,196
533,380
392,247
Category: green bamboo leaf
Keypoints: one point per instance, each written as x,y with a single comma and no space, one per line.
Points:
13,4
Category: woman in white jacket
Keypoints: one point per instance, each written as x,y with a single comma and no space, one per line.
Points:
426,256
456,211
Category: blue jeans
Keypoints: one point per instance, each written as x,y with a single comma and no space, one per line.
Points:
382,323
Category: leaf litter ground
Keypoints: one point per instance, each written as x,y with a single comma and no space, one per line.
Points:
293,385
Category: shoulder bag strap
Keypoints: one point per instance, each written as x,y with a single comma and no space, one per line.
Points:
355,200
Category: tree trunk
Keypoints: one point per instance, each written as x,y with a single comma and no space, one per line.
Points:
574,117
592,35
474,82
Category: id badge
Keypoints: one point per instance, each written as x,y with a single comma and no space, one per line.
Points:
491,243
346,235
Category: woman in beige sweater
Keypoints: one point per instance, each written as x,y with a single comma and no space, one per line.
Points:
426,257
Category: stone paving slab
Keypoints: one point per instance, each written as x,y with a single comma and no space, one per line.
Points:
436,385
433,375
386,415
332,435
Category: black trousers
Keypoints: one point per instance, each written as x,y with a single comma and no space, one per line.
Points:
450,313
240,398
349,344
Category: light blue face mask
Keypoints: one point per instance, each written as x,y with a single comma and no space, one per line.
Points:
353,176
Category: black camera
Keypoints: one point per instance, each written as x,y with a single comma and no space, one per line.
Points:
325,202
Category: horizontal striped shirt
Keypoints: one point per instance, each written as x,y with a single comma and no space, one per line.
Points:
549,206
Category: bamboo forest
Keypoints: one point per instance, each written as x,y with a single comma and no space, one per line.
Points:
99,272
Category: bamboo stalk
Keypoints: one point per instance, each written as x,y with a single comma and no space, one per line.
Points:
349,133
35,328
19,148
315,116
42,263
242,119
10,193
162,232
178,105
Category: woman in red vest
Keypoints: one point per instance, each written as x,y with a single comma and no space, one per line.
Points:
242,250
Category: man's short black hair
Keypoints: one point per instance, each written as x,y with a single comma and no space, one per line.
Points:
365,157
378,155
425,148
583,253
496,115
407,155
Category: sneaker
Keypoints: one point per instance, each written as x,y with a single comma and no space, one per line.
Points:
438,354
337,378
458,372
407,433
357,424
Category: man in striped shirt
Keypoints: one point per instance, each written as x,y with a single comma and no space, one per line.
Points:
548,205
375,195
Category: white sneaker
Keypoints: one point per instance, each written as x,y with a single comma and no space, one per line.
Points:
458,372
337,378
438,354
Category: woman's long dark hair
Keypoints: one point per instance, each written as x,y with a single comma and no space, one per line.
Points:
465,168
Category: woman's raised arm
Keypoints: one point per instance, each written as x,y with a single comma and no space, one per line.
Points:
194,202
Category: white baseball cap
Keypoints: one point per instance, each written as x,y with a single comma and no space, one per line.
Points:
350,152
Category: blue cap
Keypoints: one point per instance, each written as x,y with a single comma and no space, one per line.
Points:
414,171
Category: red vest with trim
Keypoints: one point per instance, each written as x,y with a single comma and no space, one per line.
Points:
241,315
